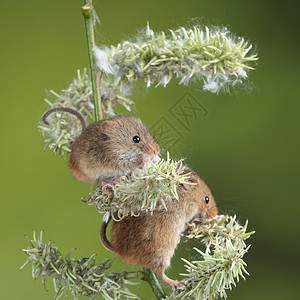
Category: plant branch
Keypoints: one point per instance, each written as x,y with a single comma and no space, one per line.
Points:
98,83
88,11
151,278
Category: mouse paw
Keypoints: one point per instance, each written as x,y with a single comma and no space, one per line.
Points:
178,284
108,185
173,283
109,181
183,282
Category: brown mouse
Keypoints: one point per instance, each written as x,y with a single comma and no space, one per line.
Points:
109,148
149,240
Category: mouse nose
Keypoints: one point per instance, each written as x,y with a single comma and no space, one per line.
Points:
150,150
212,212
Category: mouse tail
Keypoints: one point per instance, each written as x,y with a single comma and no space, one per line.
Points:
103,238
64,109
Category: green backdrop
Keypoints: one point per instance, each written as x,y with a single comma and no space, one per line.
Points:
246,147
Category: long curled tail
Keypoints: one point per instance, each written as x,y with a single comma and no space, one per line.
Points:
103,238
64,109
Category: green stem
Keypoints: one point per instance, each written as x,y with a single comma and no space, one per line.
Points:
87,11
151,278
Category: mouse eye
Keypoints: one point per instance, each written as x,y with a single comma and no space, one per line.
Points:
136,139
206,199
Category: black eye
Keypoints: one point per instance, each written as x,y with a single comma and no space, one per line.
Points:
105,137
136,139
206,199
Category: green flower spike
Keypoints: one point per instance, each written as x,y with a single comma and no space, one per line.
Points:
79,277
141,190
213,56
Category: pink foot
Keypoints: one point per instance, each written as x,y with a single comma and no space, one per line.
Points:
173,283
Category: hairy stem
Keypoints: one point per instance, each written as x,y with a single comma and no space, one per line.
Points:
87,11
151,278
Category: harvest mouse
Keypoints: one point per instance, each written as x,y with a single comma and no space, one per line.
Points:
109,148
149,240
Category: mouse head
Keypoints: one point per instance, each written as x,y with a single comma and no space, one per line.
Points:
200,197
207,204
127,143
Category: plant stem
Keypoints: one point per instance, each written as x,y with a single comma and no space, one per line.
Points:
87,11
151,278
98,82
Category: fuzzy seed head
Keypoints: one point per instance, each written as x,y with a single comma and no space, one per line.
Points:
214,57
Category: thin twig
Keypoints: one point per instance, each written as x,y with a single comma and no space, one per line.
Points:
87,11
99,75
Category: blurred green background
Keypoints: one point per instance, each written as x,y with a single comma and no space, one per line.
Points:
246,148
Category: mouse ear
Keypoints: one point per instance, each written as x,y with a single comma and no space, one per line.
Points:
193,178
109,124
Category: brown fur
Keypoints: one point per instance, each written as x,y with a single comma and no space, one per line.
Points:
105,149
150,240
